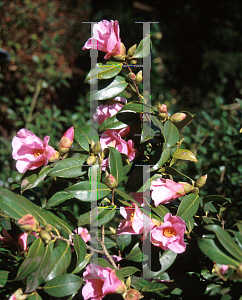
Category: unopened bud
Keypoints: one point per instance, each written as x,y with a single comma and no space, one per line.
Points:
18,295
133,294
48,228
163,114
96,148
131,76
195,190
122,49
239,270
66,141
91,160
156,222
177,117
45,236
110,181
128,282
122,54
121,288
139,77
133,62
201,181
28,223
188,188
132,50
55,156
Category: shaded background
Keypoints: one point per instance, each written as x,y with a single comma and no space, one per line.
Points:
196,66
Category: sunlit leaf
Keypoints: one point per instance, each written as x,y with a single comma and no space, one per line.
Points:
184,154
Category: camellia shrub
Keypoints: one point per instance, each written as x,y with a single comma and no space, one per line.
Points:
115,219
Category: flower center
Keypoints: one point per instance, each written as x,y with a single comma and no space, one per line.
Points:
38,152
169,232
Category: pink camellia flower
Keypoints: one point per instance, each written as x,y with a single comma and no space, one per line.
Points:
100,282
106,111
170,235
105,38
8,241
134,220
112,138
28,223
66,141
29,151
83,232
164,191
224,269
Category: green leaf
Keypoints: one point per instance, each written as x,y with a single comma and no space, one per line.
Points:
165,155
69,167
119,121
115,164
190,224
110,91
138,107
3,278
210,249
136,254
59,260
34,255
41,272
226,241
86,218
216,198
82,191
123,240
80,248
101,71
144,48
34,179
188,207
106,214
172,171
109,243
171,133
156,121
17,206
83,264
184,154
57,199
101,262
186,121
35,296
124,195
85,135
154,287
147,133
160,210
138,283
126,271
63,285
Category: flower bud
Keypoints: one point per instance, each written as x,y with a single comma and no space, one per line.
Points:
128,282
55,156
66,141
188,188
96,148
139,77
133,294
91,160
131,76
163,114
110,181
45,236
201,181
28,223
195,190
18,295
122,54
48,228
177,117
133,62
121,288
132,50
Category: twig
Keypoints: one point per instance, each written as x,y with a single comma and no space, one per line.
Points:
107,254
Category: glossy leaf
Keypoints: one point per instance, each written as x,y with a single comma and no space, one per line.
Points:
138,107
60,260
83,264
80,248
35,296
124,195
82,191
158,123
63,285
34,179
106,214
34,255
85,135
57,199
101,71
160,210
226,240
126,271
69,167
138,283
211,250
136,254
190,224
154,287
171,133
216,198
17,206
172,171
143,48
184,154
119,121
163,159
110,91
86,218
115,164
101,262
36,278
3,277
188,207
123,240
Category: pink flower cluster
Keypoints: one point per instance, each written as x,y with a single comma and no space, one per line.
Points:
8,241
83,232
100,282
105,38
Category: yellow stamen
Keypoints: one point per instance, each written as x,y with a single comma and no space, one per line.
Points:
38,152
169,232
